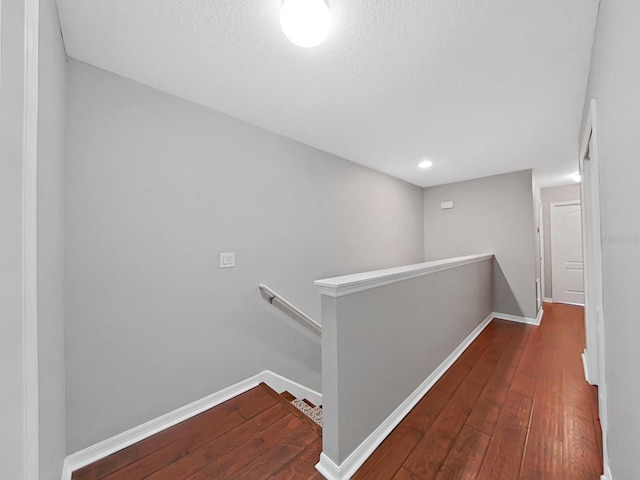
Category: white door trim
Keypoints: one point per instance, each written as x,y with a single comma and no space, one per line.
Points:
592,243
542,258
31,413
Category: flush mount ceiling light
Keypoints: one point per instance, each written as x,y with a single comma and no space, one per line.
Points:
425,164
305,22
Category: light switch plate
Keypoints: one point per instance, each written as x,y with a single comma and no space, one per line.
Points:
446,205
227,260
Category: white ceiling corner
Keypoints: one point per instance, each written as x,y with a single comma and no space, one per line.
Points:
480,87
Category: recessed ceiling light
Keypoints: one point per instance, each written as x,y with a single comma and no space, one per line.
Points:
425,164
577,178
305,22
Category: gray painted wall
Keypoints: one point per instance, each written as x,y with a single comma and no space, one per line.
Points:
379,345
51,242
564,193
615,83
491,215
156,187
11,124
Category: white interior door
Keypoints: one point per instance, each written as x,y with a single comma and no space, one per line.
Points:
567,270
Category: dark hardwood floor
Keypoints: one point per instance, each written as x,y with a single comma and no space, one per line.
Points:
252,436
514,406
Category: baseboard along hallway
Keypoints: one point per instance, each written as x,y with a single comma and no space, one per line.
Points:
256,435
514,406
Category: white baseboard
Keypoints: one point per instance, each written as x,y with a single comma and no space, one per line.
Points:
111,445
585,366
353,462
331,471
516,318
548,300
280,384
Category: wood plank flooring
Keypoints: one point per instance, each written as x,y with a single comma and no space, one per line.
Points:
514,406
252,436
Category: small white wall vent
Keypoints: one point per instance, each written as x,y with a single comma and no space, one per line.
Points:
446,205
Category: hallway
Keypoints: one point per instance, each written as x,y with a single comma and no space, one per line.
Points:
514,406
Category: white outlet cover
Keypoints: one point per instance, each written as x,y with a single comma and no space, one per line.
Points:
227,260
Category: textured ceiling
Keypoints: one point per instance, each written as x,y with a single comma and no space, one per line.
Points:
480,87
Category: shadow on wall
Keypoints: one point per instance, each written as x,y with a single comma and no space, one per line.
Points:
503,298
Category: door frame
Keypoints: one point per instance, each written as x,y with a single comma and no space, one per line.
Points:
594,353
541,251
552,205
30,348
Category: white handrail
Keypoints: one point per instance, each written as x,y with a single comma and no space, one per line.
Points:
358,282
273,295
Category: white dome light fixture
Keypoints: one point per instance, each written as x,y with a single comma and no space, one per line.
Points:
425,164
305,22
